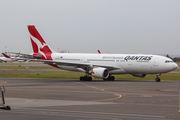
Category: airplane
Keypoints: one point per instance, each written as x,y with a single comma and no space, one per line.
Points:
99,65
4,59
15,58
7,58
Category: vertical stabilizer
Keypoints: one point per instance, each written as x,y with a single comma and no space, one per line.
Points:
6,55
38,43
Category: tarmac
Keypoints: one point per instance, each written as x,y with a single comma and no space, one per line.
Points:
58,99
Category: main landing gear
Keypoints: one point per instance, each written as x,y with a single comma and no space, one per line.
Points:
89,78
85,78
158,77
110,78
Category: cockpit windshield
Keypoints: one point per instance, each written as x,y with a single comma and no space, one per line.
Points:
168,61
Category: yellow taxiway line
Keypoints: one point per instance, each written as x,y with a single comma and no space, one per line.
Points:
119,96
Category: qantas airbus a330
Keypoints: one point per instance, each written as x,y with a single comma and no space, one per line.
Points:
100,65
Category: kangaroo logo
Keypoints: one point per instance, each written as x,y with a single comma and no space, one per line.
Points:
41,46
92,71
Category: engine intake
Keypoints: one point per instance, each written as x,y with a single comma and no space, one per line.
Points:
100,72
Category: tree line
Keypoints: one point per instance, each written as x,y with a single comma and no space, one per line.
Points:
175,59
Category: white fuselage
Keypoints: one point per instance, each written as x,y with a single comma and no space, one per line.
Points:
124,63
4,59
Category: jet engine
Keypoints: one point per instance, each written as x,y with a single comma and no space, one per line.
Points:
99,72
139,75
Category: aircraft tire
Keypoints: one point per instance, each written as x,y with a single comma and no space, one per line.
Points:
157,79
85,78
81,78
110,78
89,78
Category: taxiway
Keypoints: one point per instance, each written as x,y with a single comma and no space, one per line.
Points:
74,100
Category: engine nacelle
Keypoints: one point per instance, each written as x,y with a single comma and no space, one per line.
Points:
139,75
100,73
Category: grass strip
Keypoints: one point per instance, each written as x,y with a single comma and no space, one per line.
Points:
173,77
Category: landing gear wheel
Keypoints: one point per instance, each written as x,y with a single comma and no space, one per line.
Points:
81,78
157,79
110,78
85,78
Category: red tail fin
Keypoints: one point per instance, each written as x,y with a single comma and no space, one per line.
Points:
16,56
6,55
38,43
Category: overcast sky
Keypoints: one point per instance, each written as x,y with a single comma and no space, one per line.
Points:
84,26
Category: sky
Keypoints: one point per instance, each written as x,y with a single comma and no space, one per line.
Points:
85,26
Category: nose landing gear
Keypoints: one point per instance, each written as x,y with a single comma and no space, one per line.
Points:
158,77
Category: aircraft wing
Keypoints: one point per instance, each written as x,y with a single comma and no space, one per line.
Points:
66,63
74,64
79,64
25,55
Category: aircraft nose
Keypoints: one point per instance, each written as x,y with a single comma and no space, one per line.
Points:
175,66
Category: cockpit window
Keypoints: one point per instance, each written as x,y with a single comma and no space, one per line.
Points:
168,61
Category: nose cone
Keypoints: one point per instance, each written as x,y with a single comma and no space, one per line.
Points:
175,66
